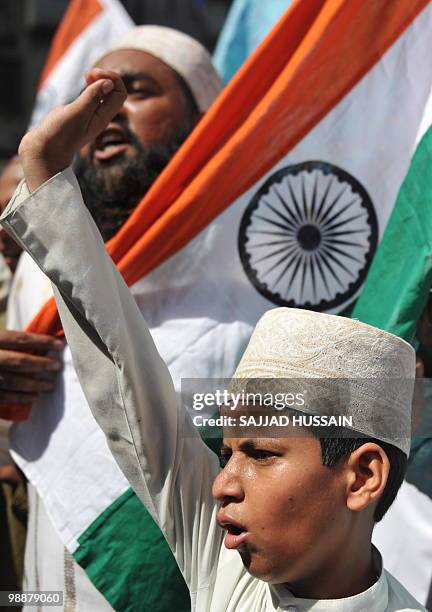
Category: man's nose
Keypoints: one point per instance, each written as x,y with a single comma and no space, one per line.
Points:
227,486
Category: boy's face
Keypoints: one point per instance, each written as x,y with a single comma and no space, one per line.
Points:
284,511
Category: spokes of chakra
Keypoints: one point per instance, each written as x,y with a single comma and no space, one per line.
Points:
308,236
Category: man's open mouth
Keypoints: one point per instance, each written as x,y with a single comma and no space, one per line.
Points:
236,533
109,143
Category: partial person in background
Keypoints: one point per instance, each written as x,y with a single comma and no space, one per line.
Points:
13,498
16,347
246,25
170,83
9,250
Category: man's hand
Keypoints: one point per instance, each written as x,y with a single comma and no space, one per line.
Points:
50,147
25,369
11,474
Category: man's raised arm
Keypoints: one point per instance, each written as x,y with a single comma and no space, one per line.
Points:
127,384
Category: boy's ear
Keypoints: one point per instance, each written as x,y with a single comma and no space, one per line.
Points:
368,470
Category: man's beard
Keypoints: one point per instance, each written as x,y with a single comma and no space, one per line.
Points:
111,191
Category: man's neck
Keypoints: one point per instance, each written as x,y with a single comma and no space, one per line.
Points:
347,574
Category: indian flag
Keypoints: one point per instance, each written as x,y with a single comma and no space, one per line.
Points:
280,196
88,28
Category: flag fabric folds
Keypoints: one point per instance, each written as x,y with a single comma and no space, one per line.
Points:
397,287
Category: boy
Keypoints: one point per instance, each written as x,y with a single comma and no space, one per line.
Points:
296,513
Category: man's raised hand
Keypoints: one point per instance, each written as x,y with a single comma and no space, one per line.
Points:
51,146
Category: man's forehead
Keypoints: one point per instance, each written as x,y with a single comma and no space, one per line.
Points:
131,61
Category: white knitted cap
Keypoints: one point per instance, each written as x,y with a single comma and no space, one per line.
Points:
352,367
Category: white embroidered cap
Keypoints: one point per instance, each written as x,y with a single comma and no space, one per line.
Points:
180,52
368,372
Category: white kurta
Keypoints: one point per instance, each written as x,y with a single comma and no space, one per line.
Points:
131,394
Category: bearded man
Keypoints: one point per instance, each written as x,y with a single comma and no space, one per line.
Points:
170,83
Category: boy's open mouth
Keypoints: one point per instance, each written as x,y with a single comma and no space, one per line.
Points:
236,533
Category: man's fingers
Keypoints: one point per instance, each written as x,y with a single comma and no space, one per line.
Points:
105,111
107,92
12,361
50,147
13,397
29,343
88,101
95,108
25,383
10,473
96,74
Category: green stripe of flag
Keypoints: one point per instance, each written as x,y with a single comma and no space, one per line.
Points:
128,560
398,282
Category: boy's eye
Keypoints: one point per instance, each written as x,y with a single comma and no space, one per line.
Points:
262,455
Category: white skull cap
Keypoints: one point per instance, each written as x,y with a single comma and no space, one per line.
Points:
180,52
378,367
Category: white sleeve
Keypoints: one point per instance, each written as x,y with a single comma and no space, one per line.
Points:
126,383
